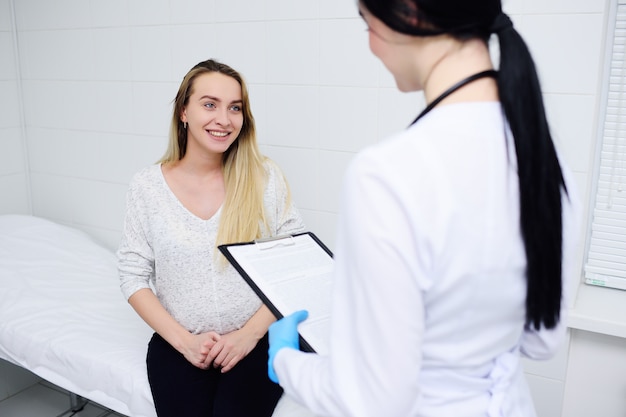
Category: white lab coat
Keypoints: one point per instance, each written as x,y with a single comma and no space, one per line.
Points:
429,297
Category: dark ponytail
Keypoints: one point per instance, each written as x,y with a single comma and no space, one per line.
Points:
540,176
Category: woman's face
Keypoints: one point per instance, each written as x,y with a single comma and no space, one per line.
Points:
213,113
392,48
376,30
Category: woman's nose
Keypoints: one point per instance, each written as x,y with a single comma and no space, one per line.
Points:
222,117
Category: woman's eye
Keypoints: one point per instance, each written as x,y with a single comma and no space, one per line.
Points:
210,105
235,108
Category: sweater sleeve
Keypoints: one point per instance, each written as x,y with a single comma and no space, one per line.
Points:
286,218
135,255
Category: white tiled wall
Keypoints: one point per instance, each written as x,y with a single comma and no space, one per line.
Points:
596,384
98,78
13,173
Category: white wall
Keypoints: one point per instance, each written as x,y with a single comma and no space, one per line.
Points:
596,378
13,179
98,77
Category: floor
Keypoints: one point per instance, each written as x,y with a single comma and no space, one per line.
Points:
27,395
46,400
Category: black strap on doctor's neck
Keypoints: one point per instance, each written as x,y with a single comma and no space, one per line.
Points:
455,87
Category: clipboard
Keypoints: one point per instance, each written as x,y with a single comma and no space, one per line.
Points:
290,273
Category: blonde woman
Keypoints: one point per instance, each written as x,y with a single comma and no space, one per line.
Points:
208,355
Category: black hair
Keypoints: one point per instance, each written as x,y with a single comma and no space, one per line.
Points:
540,176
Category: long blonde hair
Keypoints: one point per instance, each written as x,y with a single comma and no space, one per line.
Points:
243,213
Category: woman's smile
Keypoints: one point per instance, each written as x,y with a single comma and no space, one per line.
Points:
218,134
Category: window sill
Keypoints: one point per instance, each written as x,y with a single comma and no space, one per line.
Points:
599,310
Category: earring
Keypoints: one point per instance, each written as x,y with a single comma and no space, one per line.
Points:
185,125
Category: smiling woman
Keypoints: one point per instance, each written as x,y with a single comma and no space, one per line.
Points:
212,186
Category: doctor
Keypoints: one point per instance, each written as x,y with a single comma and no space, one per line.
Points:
455,236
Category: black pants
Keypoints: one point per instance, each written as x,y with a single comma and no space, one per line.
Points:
180,389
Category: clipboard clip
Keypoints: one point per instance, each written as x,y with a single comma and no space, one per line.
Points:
272,242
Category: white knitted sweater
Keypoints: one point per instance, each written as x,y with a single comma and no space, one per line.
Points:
166,247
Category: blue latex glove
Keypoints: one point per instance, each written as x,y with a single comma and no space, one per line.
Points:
284,333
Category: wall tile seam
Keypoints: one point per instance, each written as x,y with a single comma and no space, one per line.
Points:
20,102
114,133
286,147
569,94
47,175
306,148
538,375
265,21
268,21
344,86
282,20
185,24
557,13
11,173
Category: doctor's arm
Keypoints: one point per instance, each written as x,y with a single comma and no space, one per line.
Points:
373,365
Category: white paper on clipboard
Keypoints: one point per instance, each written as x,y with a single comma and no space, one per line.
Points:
290,273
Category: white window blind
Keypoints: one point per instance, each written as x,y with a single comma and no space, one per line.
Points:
606,257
